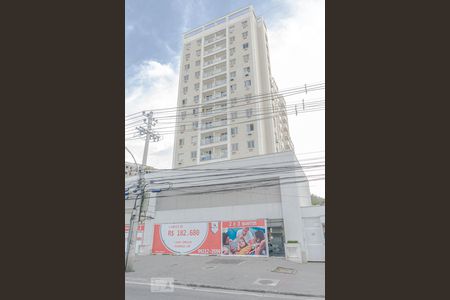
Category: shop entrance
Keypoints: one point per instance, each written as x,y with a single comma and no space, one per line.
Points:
275,234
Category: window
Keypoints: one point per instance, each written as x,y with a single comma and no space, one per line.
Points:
232,75
248,83
195,111
234,115
199,42
231,29
185,90
197,74
232,50
197,86
232,39
250,128
245,46
188,46
194,140
245,35
195,125
180,157
248,97
247,70
233,87
249,112
181,142
198,52
182,128
235,147
196,98
186,67
233,101
251,144
244,24
234,130
193,154
246,57
184,101
186,78
188,56
232,62
183,115
197,63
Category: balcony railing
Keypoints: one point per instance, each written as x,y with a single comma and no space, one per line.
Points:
216,38
214,124
217,71
214,49
211,62
212,85
205,157
214,111
215,97
212,140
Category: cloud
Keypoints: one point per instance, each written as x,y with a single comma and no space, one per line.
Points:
297,54
151,86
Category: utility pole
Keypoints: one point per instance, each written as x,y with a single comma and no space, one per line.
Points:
137,214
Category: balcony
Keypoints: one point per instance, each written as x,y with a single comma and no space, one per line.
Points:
211,112
216,72
209,125
214,84
214,61
213,140
211,98
213,50
206,157
214,39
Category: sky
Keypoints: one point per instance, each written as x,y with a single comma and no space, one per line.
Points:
153,43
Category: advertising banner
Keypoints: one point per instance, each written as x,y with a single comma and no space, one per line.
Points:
139,236
187,238
245,238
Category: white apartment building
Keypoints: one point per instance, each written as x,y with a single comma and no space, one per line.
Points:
228,106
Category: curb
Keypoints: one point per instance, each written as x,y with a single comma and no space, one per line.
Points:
247,290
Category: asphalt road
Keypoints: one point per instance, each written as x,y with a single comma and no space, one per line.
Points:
141,292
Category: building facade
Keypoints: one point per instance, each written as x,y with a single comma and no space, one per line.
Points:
280,196
228,102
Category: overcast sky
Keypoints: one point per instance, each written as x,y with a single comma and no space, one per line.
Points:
153,43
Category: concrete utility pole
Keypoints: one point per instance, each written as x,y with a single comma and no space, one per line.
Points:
140,201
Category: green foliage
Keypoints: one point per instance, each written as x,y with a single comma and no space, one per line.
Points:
317,200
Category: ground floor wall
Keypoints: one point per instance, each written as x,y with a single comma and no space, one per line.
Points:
313,221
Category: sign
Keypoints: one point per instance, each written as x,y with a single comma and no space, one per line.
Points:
139,236
187,238
245,238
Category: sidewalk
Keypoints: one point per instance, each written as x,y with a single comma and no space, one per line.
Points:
234,273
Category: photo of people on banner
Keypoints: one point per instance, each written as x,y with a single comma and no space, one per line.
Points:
244,238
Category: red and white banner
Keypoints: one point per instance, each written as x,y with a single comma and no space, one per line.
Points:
187,238
245,238
139,236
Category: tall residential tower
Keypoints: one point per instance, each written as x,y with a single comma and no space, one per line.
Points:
228,102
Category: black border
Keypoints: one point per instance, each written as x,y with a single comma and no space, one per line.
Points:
62,148
63,116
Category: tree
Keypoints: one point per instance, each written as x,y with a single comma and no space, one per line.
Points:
317,200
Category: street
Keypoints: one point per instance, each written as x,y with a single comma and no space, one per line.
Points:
141,291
